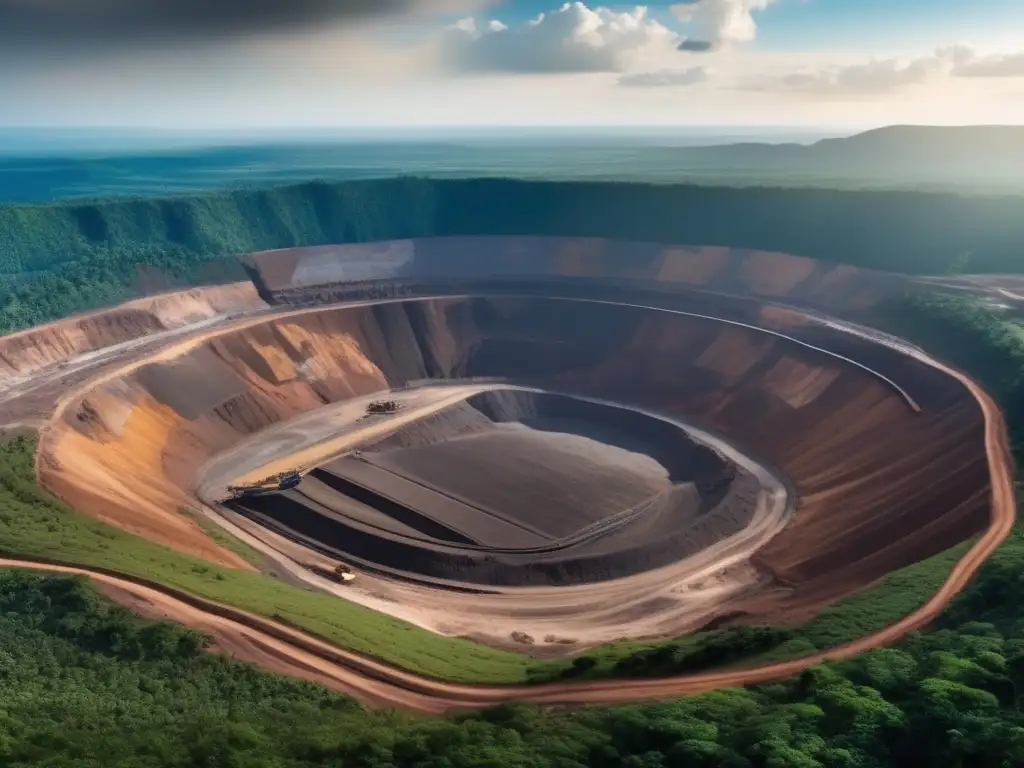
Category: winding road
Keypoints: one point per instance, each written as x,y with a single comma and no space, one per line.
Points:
288,651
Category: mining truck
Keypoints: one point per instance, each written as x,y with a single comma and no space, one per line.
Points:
341,574
383,406
344,574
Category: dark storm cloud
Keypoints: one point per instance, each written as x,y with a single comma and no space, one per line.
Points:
47,25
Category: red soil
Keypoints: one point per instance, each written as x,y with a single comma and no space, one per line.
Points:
880,486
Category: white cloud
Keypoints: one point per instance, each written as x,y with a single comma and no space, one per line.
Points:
875,76
573,38
665,78
969,64
879,76
872,77
718,23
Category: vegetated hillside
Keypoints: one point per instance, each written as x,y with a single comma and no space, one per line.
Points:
985,144
898,231
88,684
920,152
59,258
980,338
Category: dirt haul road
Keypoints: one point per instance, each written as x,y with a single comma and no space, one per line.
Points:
287,651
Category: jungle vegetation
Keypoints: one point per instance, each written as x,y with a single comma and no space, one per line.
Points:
61,257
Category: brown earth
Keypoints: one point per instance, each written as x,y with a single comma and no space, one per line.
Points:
27,351
42,365
881,448
910,483
284,650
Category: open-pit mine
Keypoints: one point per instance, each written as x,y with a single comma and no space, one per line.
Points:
538,443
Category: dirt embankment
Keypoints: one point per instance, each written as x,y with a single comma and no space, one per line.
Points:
28,351
128,452
880,485
286,651
283,650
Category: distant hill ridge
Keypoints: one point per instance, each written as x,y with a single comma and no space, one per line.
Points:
982,159
973,152
1010,136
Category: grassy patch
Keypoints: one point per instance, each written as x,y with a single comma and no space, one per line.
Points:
34,523
898,594
892,598
225,539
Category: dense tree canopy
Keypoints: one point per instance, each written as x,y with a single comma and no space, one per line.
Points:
981,338
87,684
61,257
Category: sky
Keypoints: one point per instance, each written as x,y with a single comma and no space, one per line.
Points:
364,64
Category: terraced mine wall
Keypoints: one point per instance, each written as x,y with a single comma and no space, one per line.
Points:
518,488
886,456
28,351
304,277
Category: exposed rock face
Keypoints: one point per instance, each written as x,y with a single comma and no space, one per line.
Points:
514,487
880,484
27,351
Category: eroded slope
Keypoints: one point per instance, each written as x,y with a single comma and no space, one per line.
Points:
879,483
25,352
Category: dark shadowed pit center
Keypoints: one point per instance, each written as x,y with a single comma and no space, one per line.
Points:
513,486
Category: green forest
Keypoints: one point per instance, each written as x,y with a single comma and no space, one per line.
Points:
88,684
974,335
57,258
